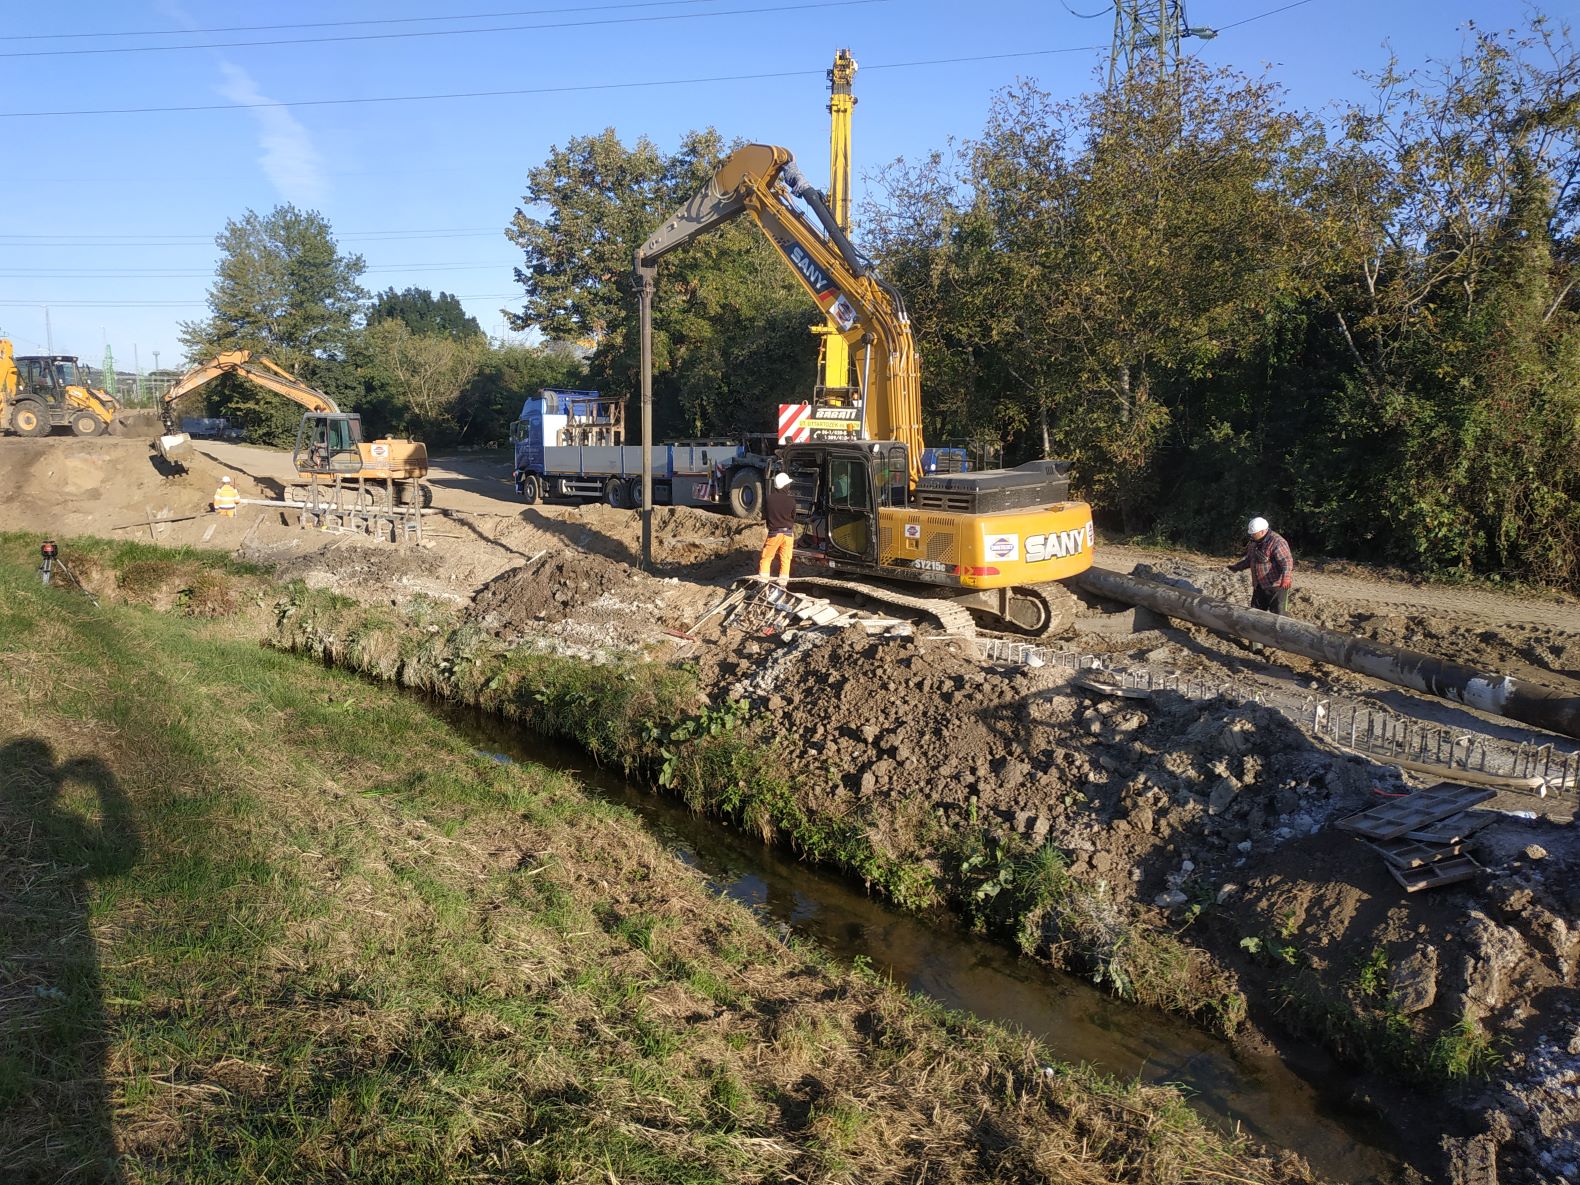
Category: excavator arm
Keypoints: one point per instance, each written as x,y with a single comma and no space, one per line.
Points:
260,370
760,180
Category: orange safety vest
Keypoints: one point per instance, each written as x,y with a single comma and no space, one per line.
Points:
226,499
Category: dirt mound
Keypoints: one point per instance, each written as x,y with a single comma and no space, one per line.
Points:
550,589
73,485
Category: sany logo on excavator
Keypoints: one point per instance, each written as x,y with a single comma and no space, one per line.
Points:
1058,544
802,262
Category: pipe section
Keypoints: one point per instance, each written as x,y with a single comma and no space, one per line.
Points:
1500,695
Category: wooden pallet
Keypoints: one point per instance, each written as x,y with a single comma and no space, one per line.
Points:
1432,876
1415,812
1406,853
1454,829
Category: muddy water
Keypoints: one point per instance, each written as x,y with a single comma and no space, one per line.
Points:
1258,1095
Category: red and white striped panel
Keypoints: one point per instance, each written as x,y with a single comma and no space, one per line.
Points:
793,423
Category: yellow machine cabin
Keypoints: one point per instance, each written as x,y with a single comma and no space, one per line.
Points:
39,392
328,442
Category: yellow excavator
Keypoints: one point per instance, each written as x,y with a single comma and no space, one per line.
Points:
329,441
39,392
993,541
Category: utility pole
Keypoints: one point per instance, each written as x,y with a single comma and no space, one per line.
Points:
1147,35
49,334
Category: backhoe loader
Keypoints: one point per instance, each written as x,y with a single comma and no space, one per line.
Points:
992,541
329,441
39,392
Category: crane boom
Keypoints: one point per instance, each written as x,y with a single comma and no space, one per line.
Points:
760,180
834,373
260,370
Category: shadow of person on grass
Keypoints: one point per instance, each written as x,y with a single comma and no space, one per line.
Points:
63,825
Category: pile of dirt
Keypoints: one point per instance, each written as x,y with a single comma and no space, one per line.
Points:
82,486
549,590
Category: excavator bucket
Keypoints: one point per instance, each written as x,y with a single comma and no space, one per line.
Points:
175,447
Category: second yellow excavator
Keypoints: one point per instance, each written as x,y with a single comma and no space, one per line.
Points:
329,441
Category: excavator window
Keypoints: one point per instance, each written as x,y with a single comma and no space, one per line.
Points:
850,514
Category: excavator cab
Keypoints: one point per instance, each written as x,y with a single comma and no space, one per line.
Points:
328,443
840,488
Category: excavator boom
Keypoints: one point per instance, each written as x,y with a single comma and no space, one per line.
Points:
760,180
260,370
994,541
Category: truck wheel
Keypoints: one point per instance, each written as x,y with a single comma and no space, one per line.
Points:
85,423
531,489
614,493
30,419
633,493
746,493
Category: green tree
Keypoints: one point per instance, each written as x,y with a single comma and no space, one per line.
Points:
730,326
283,289
424,313
1460,321
1077,262
422,374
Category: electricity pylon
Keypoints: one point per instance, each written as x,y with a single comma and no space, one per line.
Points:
1147,35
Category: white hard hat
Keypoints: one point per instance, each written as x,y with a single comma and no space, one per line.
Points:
225,480
1257,524
781,480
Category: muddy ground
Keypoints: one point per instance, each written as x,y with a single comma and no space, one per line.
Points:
1213,817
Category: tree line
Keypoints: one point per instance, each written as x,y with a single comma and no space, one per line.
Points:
411,362
1359,323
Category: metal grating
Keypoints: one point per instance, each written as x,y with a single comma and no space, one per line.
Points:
1546,769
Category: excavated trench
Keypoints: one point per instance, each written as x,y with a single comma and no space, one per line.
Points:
1255,1094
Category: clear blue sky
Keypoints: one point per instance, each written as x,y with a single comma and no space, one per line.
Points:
108,218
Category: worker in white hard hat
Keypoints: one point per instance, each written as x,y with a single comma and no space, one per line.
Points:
779,515
226,499
1272,567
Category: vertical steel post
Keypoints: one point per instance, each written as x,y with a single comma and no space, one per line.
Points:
644,293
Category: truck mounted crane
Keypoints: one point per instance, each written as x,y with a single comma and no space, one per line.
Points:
993,541
328,441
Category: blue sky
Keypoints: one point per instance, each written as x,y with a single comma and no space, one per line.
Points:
108,218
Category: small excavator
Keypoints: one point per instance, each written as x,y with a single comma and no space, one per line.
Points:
39,392
329,441
993,542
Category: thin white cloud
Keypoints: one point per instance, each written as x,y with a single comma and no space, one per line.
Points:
289,160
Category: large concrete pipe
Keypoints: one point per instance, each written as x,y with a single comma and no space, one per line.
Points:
1501,695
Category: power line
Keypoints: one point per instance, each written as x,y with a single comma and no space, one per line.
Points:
621,20
62,239
1261,15
401,20
193,304
552,90
164,274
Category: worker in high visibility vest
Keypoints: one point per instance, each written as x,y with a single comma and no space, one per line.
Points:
226,499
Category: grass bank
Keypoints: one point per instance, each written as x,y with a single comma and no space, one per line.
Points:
264,920
655,723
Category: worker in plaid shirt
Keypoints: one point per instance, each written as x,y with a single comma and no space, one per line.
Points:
1272,567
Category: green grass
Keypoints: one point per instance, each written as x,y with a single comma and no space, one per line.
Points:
262,920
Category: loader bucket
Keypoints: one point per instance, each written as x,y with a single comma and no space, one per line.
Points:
175,448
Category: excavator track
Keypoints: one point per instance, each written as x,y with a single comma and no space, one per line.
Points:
950,618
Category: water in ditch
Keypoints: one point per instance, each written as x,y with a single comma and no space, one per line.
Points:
1258,1095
